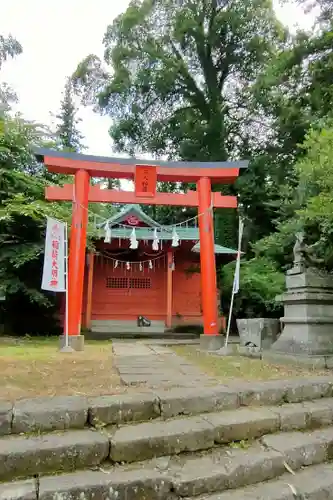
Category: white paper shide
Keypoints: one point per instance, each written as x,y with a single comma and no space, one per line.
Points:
54,259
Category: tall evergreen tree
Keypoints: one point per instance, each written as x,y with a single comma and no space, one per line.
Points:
67,131
9,48
175,80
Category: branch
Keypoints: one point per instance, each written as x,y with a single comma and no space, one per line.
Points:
204,49
201,101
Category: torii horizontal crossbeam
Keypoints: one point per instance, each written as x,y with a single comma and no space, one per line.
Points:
60,162
98,195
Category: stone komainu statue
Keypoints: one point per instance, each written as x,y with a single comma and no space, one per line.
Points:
298,250
304,254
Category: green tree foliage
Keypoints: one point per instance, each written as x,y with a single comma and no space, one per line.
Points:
69,138
260,283
23,212
296,93
67,131
324,7
9,47
295,90
22,228
179,72
293,93
307,208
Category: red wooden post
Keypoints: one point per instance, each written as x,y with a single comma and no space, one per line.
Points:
77,250
89,289
207,257
169,288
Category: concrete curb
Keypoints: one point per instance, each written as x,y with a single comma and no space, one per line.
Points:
75,412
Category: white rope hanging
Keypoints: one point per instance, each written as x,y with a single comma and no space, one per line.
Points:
134,242
156,241
107,238
161,256
175,238
104,221
141,265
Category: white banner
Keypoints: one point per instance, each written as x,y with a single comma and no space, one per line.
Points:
235,288
54,259
237,269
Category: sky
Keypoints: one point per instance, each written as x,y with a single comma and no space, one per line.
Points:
56,36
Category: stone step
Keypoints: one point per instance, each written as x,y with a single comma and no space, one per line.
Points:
311,483
21,456
126,322
222,469
40,415
142,334
118,326
221,474
171,437
118,329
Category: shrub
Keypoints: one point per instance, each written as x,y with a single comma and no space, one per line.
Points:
260,283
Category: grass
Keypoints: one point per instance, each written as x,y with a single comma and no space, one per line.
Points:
35,367
240,367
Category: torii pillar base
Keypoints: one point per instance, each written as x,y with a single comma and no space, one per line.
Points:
211,342
76,342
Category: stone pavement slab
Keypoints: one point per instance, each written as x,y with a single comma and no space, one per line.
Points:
156,366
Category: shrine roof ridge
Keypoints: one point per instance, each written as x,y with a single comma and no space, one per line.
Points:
118,217
40,153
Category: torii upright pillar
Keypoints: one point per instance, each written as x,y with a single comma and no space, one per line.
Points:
77,253
208,266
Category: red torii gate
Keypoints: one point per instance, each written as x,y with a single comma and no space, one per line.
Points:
145,174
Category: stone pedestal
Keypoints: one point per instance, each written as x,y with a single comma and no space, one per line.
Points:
262,332
76,342
308,314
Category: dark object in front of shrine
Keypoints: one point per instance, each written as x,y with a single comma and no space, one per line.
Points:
250,344
142,321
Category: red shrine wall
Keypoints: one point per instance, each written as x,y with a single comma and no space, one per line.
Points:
119,294
124,295
186,304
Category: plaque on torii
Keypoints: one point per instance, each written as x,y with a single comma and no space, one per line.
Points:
145,180
145,177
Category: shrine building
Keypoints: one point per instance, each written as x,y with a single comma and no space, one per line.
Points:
140,269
